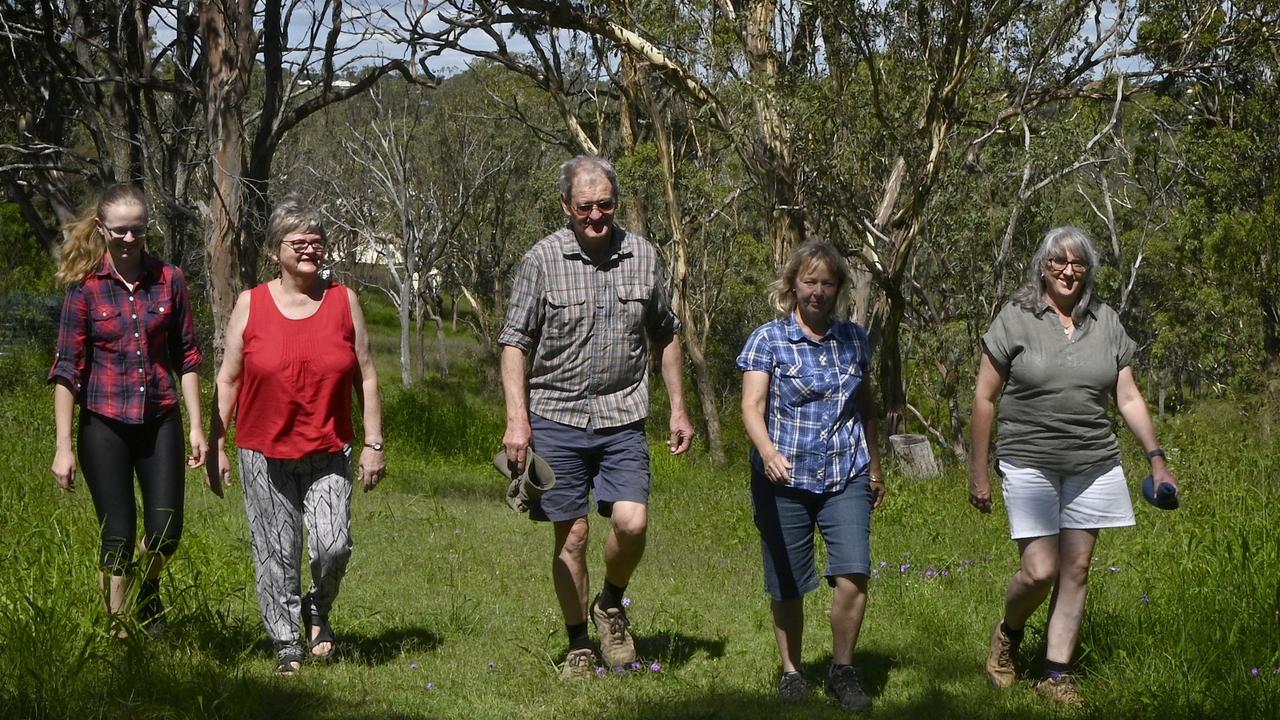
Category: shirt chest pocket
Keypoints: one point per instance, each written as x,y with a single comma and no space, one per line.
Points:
801,384
566,313
108,323
633,298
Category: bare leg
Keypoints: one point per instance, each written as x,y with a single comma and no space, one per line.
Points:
1031,584
1066,610
788,628
115,588
625,545
569,569
847,608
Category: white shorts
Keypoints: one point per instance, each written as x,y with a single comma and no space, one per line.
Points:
1042,502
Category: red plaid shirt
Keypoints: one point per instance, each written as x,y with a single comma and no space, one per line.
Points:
118,351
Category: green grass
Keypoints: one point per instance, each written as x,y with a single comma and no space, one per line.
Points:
447,610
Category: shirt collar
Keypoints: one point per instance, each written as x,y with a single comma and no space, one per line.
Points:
150,268
1044,307
837,330
620,244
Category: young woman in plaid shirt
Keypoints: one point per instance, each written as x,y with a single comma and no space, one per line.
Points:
815,461
126,332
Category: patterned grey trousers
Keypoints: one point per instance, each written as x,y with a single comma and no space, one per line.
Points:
281,495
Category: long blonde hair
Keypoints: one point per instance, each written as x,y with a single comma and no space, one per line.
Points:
83,248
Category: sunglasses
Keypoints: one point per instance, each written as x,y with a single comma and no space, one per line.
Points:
605,206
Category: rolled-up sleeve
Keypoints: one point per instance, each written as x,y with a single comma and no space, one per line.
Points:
661,321
183,341
523,323
71,363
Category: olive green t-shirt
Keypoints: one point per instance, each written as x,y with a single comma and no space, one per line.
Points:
1053,412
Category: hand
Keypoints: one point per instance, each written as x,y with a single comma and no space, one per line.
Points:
64,469
199,448
218,470
373,467
980,490
516,441
681,433
1161,475
877,492
777,468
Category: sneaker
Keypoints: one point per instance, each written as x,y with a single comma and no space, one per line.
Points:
1061,690
579,664
1000,668
845,685
615,639
792,687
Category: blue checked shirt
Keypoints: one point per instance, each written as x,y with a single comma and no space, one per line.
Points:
812,408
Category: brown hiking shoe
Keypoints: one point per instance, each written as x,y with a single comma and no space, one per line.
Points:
579,665
1000,667
1061,691
615,638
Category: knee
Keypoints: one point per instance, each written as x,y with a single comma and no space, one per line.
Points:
1041,574
1074,570
161,544
336,552
116,555
573,543
630,523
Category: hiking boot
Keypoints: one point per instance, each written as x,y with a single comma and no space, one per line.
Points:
150,611
579,664
615,639
1061,690
792,687
1000,668
845,685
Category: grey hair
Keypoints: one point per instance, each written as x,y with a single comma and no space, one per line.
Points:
1056,243
293,214
581,164
781,294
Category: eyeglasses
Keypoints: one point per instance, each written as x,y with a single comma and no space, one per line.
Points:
1057,265
120,233
300,246
606,205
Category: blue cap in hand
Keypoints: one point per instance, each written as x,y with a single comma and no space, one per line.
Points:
1164,497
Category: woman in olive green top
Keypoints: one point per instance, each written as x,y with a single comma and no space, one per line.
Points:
1058,356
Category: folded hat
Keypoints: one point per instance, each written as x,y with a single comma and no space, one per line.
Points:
527,487
1164,497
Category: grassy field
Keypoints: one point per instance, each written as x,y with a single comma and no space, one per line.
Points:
447,610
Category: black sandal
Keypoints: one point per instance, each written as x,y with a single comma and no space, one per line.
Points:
290,662
324,634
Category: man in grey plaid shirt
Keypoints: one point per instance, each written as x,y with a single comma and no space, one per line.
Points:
586,299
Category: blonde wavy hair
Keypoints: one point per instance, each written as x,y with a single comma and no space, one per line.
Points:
83,247
782,290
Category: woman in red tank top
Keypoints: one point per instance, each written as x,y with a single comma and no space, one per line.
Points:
295,349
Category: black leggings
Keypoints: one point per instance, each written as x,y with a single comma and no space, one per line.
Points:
110,453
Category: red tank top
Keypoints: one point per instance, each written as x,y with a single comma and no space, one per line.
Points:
295,389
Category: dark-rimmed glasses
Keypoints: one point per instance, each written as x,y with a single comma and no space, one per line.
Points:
120,233
1057,265
606,205
300,246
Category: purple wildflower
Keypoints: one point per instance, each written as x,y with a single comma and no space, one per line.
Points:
619,670
626,602
904,568
413,666
1255,672
930,572
657,667
884,564
431,686
945,573
1146,599
600,672
635,665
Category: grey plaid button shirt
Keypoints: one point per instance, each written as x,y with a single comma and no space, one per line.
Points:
584,327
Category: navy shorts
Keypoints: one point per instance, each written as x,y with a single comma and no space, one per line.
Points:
613,463
786,518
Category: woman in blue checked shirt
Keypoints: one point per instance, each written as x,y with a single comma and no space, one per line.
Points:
815,461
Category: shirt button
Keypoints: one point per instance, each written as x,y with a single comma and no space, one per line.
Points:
141,389
130,298
135,334
135,317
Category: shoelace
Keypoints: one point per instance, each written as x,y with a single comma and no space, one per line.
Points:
618,624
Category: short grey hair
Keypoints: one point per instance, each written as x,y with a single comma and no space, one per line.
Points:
781,294
1055,244
293,214
585,164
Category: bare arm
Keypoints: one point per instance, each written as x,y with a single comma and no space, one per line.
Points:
673,379
225,392
191,398
870,413
755,391
64,457
1133,408
519,435
373,463
990,381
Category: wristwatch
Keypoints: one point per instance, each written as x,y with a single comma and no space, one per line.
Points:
374,446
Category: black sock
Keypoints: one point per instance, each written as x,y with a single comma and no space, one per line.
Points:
1015,636
578,637
611,596
1055,669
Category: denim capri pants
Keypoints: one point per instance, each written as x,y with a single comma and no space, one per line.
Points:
786,518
